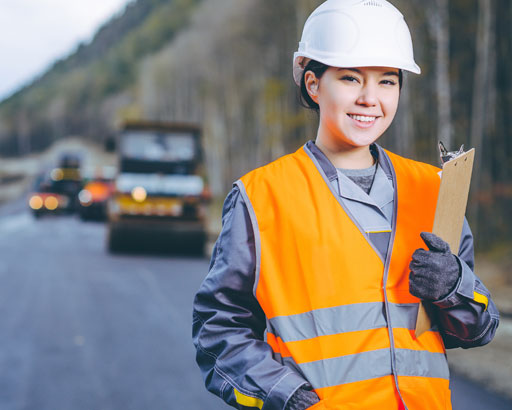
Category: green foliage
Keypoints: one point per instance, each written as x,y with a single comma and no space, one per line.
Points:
106,67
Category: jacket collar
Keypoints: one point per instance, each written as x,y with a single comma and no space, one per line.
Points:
330,170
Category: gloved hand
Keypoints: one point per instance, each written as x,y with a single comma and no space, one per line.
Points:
302,399
434,273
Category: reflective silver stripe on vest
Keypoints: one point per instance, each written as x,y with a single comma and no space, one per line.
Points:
371,365
347,369
341,319
421,363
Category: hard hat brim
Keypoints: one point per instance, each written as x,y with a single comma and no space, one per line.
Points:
300,60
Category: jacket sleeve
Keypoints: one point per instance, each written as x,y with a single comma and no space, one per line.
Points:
467,316
228,323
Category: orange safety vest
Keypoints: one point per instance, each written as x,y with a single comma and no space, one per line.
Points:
336,313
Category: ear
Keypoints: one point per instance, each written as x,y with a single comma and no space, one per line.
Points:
311,83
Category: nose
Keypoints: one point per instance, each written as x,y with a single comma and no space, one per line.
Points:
368,95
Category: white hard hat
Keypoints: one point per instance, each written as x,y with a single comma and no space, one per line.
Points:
355,33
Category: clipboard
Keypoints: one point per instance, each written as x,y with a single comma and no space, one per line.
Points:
449,216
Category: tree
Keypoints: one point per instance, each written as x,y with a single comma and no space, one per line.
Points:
481,93
438,19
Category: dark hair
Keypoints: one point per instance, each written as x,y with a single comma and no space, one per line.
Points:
318,70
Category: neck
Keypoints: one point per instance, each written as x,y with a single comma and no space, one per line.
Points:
344,156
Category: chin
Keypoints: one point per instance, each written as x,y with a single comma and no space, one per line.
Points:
363,141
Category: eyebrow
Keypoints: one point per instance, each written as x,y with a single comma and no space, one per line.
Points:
392,73
395,73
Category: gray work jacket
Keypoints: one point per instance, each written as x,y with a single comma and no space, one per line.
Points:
229,324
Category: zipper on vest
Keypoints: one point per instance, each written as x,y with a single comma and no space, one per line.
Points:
385,279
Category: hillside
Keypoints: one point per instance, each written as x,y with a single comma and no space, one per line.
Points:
85,93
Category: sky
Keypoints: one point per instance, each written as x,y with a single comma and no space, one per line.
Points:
35,33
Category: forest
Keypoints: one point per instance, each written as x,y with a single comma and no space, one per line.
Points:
226,64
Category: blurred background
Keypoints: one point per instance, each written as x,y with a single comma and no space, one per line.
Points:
123,124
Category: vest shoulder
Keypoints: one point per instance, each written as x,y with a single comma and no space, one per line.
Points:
411,163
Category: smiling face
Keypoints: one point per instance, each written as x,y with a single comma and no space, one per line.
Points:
356,105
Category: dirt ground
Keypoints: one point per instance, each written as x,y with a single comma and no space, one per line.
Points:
492,364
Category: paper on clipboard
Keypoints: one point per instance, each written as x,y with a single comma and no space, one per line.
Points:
450,211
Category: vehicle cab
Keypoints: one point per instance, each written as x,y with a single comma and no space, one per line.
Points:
160,187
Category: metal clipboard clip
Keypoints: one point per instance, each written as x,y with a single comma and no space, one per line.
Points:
449,155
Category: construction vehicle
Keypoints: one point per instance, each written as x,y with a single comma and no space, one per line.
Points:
97,189
55,190
160,193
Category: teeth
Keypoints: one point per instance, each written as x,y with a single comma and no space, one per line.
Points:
362,118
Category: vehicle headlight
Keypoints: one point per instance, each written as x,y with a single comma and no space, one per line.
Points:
35,202
139,194
85,197
51,203
57,174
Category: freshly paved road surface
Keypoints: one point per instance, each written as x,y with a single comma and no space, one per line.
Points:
82,329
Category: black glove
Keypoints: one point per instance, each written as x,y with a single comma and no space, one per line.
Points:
434,273
302,399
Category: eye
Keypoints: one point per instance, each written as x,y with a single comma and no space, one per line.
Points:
349,78
388,82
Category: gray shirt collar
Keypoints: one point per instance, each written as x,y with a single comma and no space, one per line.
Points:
381,192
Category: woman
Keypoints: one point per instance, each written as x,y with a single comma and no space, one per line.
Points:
315,280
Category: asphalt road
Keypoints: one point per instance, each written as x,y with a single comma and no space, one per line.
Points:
82,329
